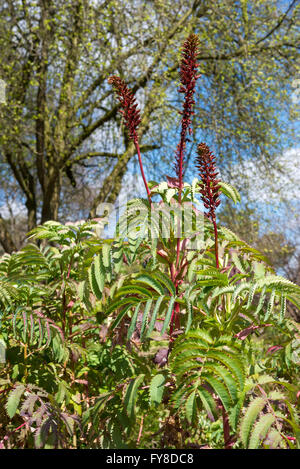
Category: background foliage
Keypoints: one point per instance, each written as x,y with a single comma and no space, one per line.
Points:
62,149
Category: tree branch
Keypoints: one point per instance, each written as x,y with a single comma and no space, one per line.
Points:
278,24
141,82
106,154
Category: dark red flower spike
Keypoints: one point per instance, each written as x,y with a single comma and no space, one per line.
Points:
210,188
132,118
210,191
188,78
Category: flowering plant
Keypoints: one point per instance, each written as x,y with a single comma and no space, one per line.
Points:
161,337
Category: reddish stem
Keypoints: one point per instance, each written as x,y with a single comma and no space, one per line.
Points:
226,430
175,321
216,244
140,431
18,428
136,143
180,169
175,313
12,431
178,252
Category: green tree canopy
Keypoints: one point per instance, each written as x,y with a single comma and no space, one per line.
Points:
61,120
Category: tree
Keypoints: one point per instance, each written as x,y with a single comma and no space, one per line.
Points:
56,59
281,251
271,242
162,336
60,113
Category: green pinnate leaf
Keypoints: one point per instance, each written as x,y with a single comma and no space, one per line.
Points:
13,400
131,395
229,191
260,430
133,321
168,315
156,389
254,408
151,282
208,403
106,252
191,407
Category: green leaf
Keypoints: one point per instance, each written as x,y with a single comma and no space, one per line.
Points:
97,277
168,315
13,400
261,300
230,191
255,407
200,334
133,321
238,263
252,291
208,403
166,281
120,317
270,306
260,430
169,194
157,388
106,255
134,289
191,270
189,308
221,281
117,304
227,379
234,364
154,315
132,394
282,307
151,282
191,407
242,286
219,389
235,411
145,317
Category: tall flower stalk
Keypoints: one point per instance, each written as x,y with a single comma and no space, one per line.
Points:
210,195
132,118
210,190
188,78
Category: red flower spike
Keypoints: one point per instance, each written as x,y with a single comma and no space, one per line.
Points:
188,78
205,162
128,104
131,113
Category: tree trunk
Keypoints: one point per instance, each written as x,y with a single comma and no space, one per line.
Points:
5,237
51,198
113,182
31,213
